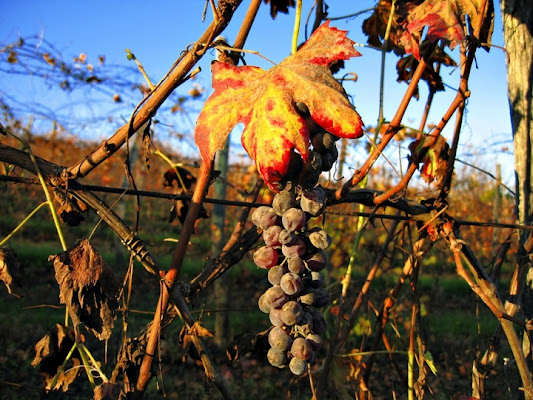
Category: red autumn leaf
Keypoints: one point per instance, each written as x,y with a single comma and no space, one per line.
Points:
265,102
443,19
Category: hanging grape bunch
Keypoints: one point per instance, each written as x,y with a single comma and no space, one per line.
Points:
294,256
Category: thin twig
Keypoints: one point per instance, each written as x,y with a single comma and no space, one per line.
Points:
151,104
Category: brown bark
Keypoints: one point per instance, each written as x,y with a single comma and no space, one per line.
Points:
517,16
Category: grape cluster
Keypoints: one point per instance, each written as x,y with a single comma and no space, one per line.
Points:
294,256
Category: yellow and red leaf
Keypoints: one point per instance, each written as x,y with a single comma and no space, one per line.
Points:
264,101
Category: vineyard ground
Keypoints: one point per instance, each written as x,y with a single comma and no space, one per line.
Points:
457,321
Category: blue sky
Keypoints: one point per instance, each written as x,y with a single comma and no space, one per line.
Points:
157,31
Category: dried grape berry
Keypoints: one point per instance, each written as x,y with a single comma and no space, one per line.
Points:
316,341
271,236
317,262
291,313
301,348
275,273
279,338
298,366
286,237
282,202
296,265
266,257
295,249
313,201
319,238
276,357
275,297
291,283
294,219
275,317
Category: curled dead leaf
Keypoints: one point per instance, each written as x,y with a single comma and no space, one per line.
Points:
182,180
434,161
10,271
89,288
50,354
281,6
70,209
187,335
108,391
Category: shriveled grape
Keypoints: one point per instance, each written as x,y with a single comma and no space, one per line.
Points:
316,341
295,249
264,306
275,273
322,297
275,297
291,283
291,313
319,238
282,202
271,236
276,357
279,338
293,219
266,257
258,213
268,218
313,201
301,348
319,322
286,237
275,317
296,265
317,262
298,366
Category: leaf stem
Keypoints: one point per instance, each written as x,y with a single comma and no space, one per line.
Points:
62,368
384,49
49,200
296,30
22,223
131,56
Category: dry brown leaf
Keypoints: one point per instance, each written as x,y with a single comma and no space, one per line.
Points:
50,353
186,338
70,210
10,271
182,180
89,288
108,391
434,161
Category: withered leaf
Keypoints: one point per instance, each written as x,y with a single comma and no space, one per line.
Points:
441,17
89,288
108,391
247,343
434,161
182,180
10,271
376,25
407,65
147,144
70,209
187,335
279,6
50,353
